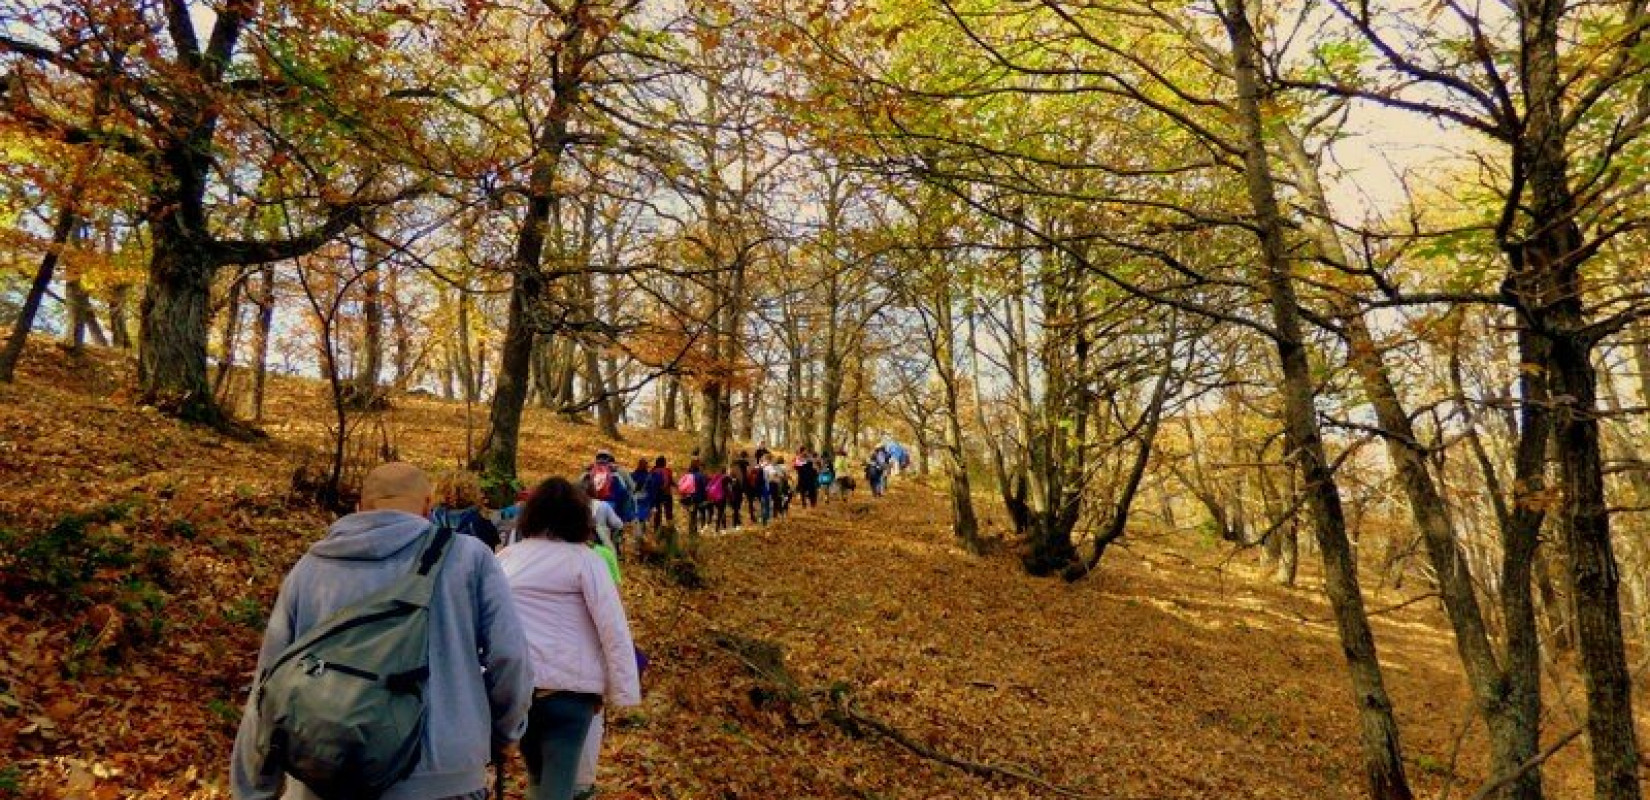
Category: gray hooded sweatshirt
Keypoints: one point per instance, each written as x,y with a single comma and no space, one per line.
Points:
480,681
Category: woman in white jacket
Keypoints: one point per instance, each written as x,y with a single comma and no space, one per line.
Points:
578,641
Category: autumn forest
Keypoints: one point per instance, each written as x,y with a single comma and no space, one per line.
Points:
1275,376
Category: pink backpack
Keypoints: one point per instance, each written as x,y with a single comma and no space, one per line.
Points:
716,492
686,486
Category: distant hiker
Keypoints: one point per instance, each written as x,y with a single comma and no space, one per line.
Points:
807,477
606,481
608,526
839,468
459,507
716,498
646,494
782,488
582,652
752,480
873,476
473,713
661,483
899,457
827,474
882,463
736,485
691,489
762,450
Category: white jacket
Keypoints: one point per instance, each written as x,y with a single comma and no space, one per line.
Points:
577,636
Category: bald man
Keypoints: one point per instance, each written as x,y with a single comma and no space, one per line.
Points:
475,709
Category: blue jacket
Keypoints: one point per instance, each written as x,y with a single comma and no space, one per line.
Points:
472,705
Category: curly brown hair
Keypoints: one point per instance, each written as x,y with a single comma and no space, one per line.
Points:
557,509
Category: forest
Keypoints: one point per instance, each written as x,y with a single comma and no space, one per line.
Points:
1328,317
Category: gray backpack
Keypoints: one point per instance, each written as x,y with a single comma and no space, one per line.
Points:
342,708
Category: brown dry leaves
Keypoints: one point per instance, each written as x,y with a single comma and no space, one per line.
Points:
1161,677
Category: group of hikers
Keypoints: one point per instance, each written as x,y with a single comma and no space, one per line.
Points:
527,638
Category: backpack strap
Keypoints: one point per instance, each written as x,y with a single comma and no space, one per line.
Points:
419,585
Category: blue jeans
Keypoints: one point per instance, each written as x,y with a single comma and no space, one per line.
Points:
767,508
556,728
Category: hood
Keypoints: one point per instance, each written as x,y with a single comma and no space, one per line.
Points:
370,535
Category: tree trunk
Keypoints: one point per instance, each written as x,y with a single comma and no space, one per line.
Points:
172,338
231,333
1513,721
672,389
82,319
260,344
964,525
62,229
1383,762
364,392
120,332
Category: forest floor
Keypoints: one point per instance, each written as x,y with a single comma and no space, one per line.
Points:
1176,671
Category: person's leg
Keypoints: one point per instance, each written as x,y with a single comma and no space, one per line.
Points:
585,782
556,730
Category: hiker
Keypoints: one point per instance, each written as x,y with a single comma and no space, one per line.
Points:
459,507
661,482
827,476
582,653
883,463
608,526
807,477
839,468
473,713
604,480
691,488
646,496
873,477
584,781
779,486
716,499
751,482
736,486
761,488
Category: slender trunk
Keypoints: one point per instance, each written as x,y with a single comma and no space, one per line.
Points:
963,522
460,350
1383,762
260,344
82,319
369,363
1513,723
672,388
497,457
120,332
400,331
62,229
230,335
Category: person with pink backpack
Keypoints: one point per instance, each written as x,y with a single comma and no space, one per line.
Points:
717,495
692,489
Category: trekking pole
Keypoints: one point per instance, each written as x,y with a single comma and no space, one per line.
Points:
498,779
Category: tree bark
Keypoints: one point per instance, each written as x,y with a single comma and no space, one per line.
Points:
1383,762
260,344
62,229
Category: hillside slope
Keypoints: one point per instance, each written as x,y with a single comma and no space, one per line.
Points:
1175,672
